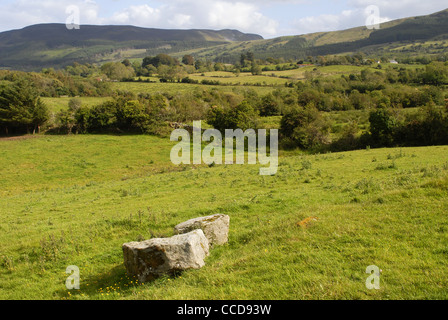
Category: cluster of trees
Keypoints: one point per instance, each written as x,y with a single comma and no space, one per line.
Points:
52,83
362,59
118,70
120,115
243,116
21,109
429,126
394,87
150,113
305,127
159,60
422,59
381,92
168,68
143,113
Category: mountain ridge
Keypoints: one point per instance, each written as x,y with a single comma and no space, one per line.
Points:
358,39
89,32
53,45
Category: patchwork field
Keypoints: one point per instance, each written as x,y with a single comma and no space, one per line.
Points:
74,200
173,88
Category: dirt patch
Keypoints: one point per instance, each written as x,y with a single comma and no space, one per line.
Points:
18,138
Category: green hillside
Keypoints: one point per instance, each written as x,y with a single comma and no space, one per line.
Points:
53,45
391,35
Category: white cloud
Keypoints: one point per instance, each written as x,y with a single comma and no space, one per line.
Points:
357,15
244,15
135,15
255,16
239,15
330,22
181,21
222,14
402,8
21,13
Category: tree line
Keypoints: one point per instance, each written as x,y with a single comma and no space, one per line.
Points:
301,109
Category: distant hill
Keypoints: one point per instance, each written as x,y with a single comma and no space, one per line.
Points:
54,45
388,39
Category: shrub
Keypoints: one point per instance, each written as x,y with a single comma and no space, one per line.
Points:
243,116
348,139
382,126
428,127
270,106
304,127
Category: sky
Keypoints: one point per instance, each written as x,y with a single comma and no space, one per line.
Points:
269,18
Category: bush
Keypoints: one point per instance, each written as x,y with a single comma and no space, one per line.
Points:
119,115
188,80
243,116
428,127
348,140
304,127
382,126
270,106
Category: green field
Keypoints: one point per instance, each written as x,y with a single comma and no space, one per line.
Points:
248,79
74,200
275,78
57,104
262,84
173,88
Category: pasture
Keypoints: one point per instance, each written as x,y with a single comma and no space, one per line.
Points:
173,88
74,200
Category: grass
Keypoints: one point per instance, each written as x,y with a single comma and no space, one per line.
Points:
80,161
57,104
173,88
243,78
275,78
99,192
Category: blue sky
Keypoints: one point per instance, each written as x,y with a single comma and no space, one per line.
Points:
269,18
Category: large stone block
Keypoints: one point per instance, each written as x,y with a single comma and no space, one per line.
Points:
215,227
152,258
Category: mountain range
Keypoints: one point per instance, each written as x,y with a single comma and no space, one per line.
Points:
53,45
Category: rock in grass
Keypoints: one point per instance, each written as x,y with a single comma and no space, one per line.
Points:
153,258
215,227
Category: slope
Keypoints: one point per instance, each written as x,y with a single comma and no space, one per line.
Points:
54,45
361,39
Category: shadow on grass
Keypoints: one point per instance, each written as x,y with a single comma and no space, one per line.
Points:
108,285
112,285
